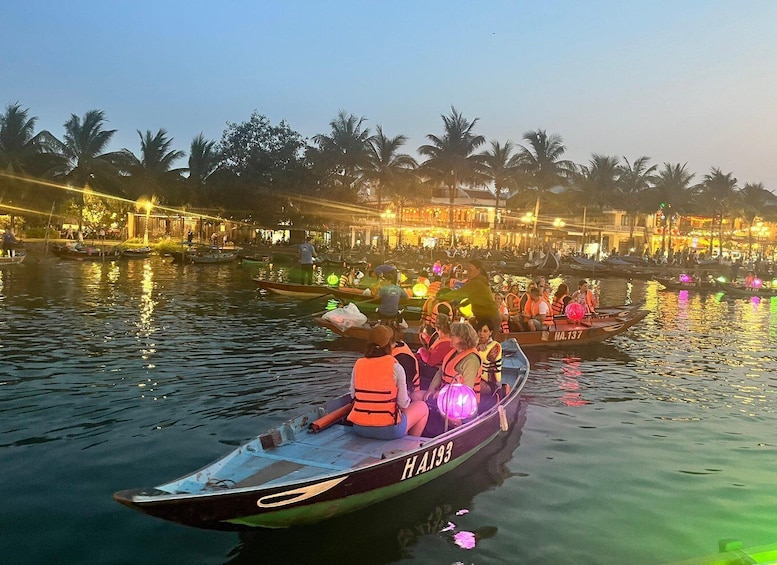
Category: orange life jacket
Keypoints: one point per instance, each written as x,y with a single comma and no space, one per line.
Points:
514,307
532,309
448,369
558,305
375,400
413,378
433,289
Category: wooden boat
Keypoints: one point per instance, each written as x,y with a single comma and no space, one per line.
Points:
610,321
732,552
737,291
699,286
205,255
291,476
294,290
135,252
83,252
17,259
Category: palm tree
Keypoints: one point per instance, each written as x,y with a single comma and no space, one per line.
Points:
542,162
672,190
502,167
720,194
451,159
635,178
345,150
153,171
756,202
385,166
83,160
23,153
203,162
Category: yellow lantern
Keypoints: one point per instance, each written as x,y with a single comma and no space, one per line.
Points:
466,310
420,290
332,280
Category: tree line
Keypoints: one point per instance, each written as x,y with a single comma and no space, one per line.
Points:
267,173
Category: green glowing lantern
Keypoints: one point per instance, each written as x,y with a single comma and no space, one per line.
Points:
332,280
420,290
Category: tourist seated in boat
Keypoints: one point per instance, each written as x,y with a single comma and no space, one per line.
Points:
560,300
537,314
430,357
391,296
504,313
407,359
9,242
490,352
520,320
476,293
382,408
462,364
585,296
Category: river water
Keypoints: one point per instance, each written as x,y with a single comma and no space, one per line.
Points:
646,449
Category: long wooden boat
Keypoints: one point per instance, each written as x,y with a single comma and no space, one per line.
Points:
738,291
293,475
83,252
309,290
732,552
17,259
135,252
698,286
610,321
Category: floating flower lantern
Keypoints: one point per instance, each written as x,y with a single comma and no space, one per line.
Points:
575,311
457,401
420,290
332,280
686,279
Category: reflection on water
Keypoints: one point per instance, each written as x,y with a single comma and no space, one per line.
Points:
123,374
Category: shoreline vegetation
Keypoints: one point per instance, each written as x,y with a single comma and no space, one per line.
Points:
269,175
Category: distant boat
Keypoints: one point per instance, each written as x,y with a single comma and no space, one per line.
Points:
136,252
83,252
12,260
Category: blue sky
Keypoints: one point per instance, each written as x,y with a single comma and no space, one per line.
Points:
679,81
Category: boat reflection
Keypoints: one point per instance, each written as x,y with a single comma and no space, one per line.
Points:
388,531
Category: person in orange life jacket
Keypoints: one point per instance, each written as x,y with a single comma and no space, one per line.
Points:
490,353
585,297
430,358
536,311
463,357
382,408
548,300
520,320
461,364
560,300
406,358
477,293
504,313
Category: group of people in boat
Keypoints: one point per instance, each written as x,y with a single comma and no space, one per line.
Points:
394,389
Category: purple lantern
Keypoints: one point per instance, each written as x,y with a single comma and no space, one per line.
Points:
758,283
686,278
457,401
575,311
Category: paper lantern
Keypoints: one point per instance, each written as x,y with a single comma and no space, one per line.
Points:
420,290
686,278
402,277
757,283
457,401
575,311
722,279
466,310
333,280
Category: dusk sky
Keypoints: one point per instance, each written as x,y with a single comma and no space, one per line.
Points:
679,81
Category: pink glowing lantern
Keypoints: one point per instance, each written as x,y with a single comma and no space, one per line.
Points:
575,311
686,278
457,401
757,283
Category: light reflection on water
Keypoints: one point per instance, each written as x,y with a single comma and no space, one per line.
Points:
124,374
